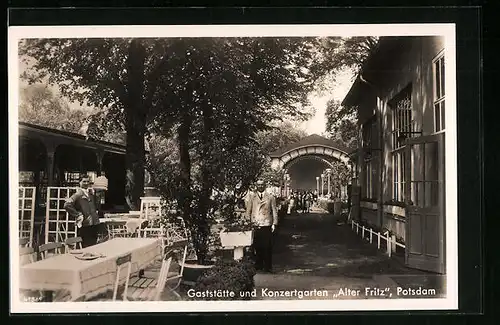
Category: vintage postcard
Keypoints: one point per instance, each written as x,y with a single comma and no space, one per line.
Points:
233,168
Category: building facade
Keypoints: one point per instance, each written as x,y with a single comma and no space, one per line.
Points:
400,98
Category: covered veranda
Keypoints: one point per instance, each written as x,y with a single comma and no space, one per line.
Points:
56,159
49,157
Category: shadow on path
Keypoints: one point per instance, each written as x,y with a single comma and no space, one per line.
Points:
314,244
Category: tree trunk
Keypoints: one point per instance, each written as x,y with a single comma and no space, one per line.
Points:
135,163
206,179
135,126
184,195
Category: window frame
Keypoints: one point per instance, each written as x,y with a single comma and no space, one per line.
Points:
401,118
398,193
439,101
369,184
398,181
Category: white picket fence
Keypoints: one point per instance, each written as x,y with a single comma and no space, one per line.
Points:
390,240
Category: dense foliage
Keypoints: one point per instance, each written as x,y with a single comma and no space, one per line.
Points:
117,76
341,123
234,276
40,105
340,177
279,136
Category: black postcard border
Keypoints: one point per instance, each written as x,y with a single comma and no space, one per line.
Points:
469,101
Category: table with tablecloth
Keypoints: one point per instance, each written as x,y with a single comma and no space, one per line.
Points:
85,279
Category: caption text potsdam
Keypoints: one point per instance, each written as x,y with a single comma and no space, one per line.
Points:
368,292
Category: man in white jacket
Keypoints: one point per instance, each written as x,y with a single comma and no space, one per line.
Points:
261,208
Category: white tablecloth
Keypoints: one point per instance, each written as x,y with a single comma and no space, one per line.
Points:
87,279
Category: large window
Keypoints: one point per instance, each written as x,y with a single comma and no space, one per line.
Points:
402,127
439,108
402,118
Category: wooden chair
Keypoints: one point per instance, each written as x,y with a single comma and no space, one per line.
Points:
72,243
174,278
150,289
24,242
45,249
123,261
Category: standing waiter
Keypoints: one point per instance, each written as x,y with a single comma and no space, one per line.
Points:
261,208
83,207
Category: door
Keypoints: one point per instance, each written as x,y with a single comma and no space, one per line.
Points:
425,197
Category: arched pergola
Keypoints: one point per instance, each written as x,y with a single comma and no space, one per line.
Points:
312,147
306,159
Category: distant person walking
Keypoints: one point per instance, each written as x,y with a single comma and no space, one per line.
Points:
291,203
308,201
302,200
261,208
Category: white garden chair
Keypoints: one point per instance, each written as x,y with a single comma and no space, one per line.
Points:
150,207
150,288
122,262
176,231
174,278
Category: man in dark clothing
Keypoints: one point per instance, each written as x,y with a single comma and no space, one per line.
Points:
261,208
83,207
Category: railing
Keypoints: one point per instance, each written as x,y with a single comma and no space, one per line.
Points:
391,242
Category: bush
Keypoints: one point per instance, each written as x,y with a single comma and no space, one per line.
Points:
235,276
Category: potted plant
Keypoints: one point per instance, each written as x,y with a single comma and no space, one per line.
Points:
203,243
237,232
193,269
